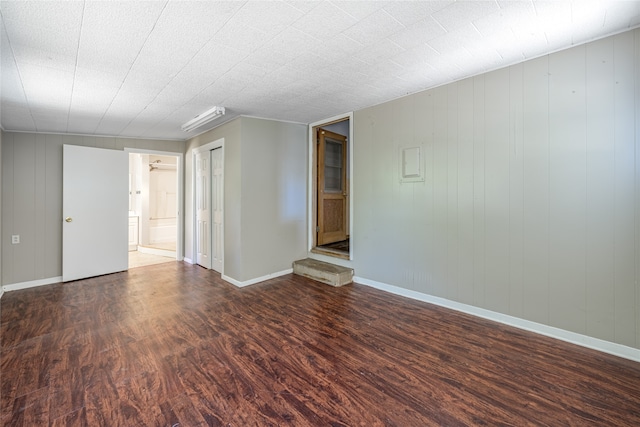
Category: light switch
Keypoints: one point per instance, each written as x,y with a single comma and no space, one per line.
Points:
15,239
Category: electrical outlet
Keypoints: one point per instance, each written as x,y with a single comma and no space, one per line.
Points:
15,239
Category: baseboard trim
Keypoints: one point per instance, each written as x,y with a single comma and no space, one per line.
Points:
240,284
188,260
31,284
549,331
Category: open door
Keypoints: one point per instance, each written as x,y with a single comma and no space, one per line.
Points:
95,212
332,187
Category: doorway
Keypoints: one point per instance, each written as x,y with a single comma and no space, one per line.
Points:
154,208
331,188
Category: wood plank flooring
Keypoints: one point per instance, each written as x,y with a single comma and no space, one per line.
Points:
174,345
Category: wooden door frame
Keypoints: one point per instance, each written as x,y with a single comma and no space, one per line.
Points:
179,195
312,202
218,143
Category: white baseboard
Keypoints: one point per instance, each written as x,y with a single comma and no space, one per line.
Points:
549,331
31,284
1,292
257,279
188,260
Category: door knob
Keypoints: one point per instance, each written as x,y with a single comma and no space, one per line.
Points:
68,219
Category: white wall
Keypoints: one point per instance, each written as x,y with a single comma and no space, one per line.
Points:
265,195
32,198
274,196
531,201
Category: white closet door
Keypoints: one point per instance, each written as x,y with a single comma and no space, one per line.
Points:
95,212
203,202
217,183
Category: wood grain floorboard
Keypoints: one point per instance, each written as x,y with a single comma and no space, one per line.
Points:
174,345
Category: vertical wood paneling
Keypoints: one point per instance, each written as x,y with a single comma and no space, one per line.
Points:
479,206
411,194
516,177
382,178
452,193
403,193
465,191
369,181
600,180
440,192
108,143
53,190
363,157
626,110
7,206
73,139
121,143
535,191
567,130
1,212
635,36
32,201
40,207
24,194
387,143
533,188
89,141
497,190
424,248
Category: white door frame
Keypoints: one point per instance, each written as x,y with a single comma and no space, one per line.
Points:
310,182
180,195
218,143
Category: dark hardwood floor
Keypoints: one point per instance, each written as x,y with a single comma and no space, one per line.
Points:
172,344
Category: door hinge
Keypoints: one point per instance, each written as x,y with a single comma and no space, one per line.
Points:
317,229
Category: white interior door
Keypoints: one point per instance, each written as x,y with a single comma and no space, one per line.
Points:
95,212
203,230
217,208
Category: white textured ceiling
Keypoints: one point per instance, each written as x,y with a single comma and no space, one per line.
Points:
141,69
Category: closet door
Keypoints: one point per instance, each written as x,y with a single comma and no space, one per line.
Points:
94,212
217,208
203,205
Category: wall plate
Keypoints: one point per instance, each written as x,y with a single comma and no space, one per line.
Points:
411,163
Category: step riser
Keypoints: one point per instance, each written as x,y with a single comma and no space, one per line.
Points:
323,272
